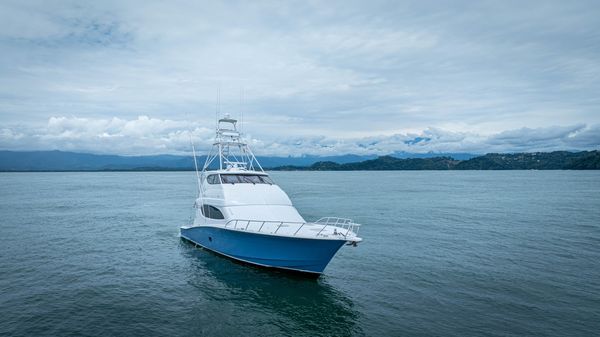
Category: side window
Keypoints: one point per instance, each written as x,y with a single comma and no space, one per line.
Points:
213,179
212,212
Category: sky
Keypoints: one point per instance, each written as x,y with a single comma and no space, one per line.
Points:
310,77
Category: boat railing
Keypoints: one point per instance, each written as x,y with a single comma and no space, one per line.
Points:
344,223
322,227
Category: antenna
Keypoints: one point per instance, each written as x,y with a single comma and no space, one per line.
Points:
241,112
217,106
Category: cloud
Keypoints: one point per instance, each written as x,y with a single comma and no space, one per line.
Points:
142,135
325,71
145,135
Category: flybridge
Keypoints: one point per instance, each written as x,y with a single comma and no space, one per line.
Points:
230,150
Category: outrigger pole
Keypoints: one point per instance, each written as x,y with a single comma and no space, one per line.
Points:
195,161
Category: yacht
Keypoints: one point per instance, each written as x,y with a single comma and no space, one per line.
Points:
241,213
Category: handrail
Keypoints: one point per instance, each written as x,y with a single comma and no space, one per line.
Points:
344,223
325,226
333,220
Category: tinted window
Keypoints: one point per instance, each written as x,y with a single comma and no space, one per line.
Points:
212,212
229,179
250,179
245,179
213,179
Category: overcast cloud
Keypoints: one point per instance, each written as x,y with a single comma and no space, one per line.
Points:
323,77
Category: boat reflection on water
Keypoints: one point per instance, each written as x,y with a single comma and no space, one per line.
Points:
257,299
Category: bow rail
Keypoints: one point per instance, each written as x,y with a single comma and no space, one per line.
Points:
324,227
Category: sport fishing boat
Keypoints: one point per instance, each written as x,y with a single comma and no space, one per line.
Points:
242,214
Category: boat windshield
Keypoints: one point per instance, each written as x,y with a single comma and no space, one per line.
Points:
245,179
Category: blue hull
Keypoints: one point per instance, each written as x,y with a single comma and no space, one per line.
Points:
298,254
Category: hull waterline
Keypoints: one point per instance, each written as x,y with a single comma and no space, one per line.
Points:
296,254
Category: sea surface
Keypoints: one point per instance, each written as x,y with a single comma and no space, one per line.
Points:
471,253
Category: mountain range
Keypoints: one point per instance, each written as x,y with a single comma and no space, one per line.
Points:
72,161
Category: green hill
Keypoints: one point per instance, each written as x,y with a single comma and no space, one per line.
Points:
558,160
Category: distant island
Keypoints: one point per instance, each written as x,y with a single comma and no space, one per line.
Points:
558,160
38,161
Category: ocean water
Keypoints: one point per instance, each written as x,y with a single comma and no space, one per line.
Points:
472,253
